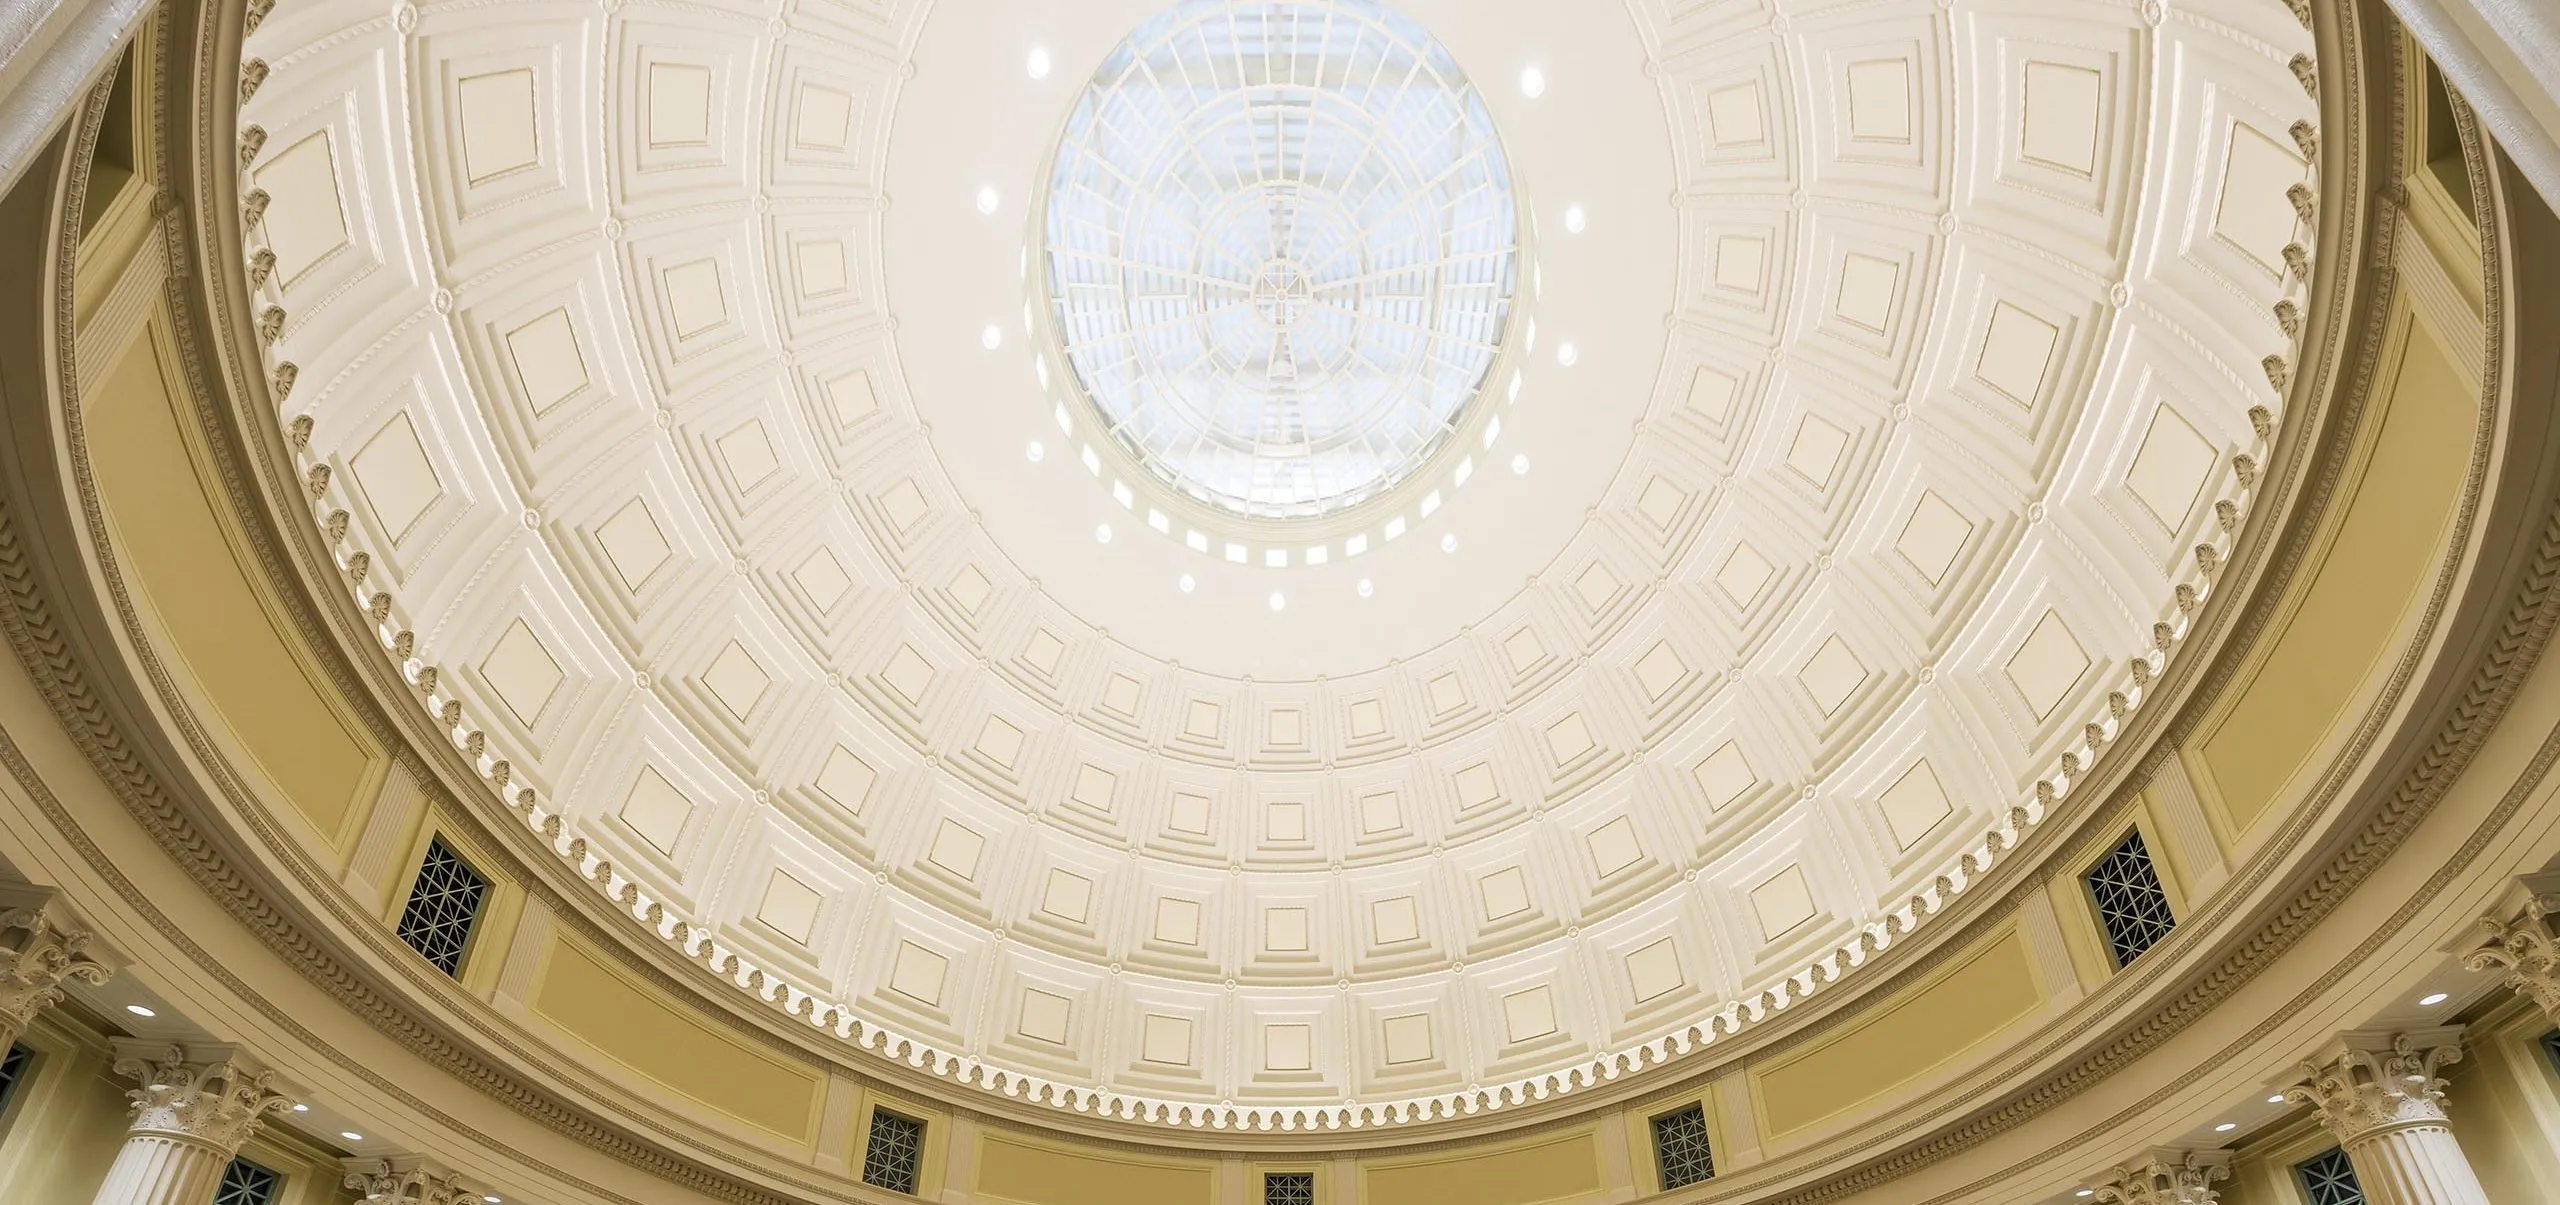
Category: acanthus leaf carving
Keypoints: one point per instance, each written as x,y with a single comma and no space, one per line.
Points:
2166,1177
2366,1083
41,951
205,1094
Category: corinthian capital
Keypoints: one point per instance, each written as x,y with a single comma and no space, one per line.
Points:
2166,1177
2519,944
2366,1082
42,947
407,1180
203,1093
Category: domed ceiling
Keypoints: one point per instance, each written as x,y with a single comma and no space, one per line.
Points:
1523,573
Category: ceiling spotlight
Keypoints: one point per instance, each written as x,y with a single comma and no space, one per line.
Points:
1102,533
1279,601
1520,465
302,1108
1575,219
493,1199
1533,83
992,337
1367,588
2226,1127
139,1010
1567,353
1185,584
351,1135
988,200
2276,1099
1449,542
2432,1000
1034,452
1037,66
2086,1192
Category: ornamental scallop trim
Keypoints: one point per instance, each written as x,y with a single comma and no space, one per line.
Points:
484,746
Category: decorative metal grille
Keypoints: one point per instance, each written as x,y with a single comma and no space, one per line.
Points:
2551,1048
895,1151
1289,1188
12,1069
2132,907
1680,1147
2328,1179
443,905
1281,249
246,1183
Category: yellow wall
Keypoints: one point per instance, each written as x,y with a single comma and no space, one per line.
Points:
1015,1168
1558,1167
63,1126
180,558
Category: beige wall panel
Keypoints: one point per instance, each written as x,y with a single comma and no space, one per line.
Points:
62,1129
1013,1169
642,1031
2394,525
174,549
2505,1113
1968,1003
1558,1168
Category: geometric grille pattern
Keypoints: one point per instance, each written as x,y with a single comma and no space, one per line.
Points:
246,1183
442,907
2328,1179
12,1069
2131,904
2550,1049
895,1151
1680,1148
1289,1188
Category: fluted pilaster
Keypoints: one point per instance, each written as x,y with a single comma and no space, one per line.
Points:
407,1180
2166,1176
42,947
192,1110
2381,1095
2518,943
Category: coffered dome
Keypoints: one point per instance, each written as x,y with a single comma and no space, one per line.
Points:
1191,613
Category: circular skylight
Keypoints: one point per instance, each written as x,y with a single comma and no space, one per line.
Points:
1281,249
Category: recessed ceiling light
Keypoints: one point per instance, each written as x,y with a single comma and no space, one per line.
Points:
1037,66
139,1010
302,1108
1367,588
351,1135
1575,219
1567,354
1279,601
2086,1192
1449,542
2226,1127
1533,83
1520,464
1034,452
2276,1099
1102,533
1185,584
992,337
493,1199
988,200
2432,1000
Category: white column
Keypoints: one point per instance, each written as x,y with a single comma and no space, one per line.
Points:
406,1180
2518,943
2166,1177
193,1110
42,947
2380,1095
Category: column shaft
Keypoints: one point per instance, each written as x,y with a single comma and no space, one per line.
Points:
2416,1165
161,1169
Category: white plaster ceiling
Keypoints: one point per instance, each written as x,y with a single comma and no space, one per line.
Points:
1918,345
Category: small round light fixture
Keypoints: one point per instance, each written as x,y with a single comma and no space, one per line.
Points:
1449,542
1279,601
302,1108
1035,452
2276,1099
2086,1192
1533,83
1185,584
1367,587
351,1135
140,1010
493,1199
1102,533
2432,999
1036,65
1575,220
1567,354
992,337
1520,465
988,199
2226,1127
